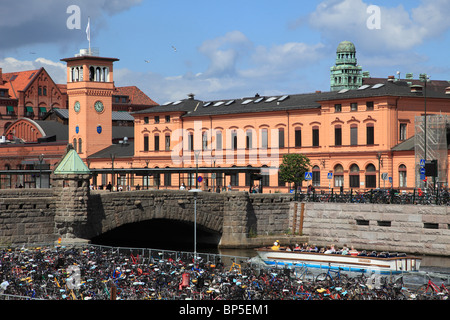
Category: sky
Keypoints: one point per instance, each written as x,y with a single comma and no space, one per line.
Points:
219,49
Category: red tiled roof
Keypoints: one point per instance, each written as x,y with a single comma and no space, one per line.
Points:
137,97
18,81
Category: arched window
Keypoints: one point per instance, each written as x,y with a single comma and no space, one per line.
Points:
75,144
80,146
402,176
354,176
371,177
316,176
338,176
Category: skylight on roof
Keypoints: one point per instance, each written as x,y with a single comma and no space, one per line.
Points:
363,87
283,98
177,102
378,85
230,102
247,101
271,99
258,100
343,90
218,103
207,104
167,103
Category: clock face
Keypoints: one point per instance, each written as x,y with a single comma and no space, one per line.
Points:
98,106
77,106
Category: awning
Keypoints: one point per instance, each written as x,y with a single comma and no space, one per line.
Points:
9,109
42,109
29,109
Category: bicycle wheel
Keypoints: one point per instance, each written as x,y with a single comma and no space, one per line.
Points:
307,276
425,292
323,278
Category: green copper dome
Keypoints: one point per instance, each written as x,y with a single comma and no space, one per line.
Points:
346,46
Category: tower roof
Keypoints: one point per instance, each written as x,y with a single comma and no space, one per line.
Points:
71,164
346,46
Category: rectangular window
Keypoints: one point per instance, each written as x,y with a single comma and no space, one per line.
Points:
353,106
337,108
281,182
354,136
156,138
218,140
167,143
402,133
371,181
337,136
234,140
264,139
234,179
204,141
167,179
145,143
167,119
156,119
248,140
280,138
315,137
369,105
354,181
338,180
190,142
145,120
298,138
370,135
316,178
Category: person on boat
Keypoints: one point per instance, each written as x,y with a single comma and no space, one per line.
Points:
344,250
297,247
330,249
276,245
353,252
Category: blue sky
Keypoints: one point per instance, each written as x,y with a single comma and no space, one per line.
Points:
228,49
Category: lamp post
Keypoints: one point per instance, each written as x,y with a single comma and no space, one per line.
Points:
380,163
195,191
196,154
41,159
425,78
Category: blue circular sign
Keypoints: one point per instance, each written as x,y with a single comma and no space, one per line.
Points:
77,129
99,129
199,179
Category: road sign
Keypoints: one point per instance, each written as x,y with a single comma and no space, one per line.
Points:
330,175
308,175
422,170
390,180
385,176
199,179
422,162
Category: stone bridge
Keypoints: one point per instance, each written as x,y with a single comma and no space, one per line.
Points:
72,212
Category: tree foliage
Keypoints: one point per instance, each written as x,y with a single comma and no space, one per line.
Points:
293,168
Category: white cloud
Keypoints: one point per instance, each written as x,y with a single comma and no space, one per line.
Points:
56,70
399,29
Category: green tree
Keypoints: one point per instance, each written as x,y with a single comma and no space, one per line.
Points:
293,168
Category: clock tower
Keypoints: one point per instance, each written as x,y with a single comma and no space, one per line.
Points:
90,87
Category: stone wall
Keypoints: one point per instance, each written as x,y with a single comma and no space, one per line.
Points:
27,216
395,228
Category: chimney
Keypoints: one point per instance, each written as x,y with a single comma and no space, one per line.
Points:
1,76
391,79
191,96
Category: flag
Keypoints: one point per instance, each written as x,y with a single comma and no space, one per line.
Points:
88,30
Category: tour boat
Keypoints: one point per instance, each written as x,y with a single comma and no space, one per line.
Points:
383,263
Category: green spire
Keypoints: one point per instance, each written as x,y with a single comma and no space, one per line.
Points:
71,164
346,74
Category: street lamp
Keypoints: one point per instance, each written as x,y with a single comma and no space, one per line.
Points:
195,191
196,154
425,78
41,159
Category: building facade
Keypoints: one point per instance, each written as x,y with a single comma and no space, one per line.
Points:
360,135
